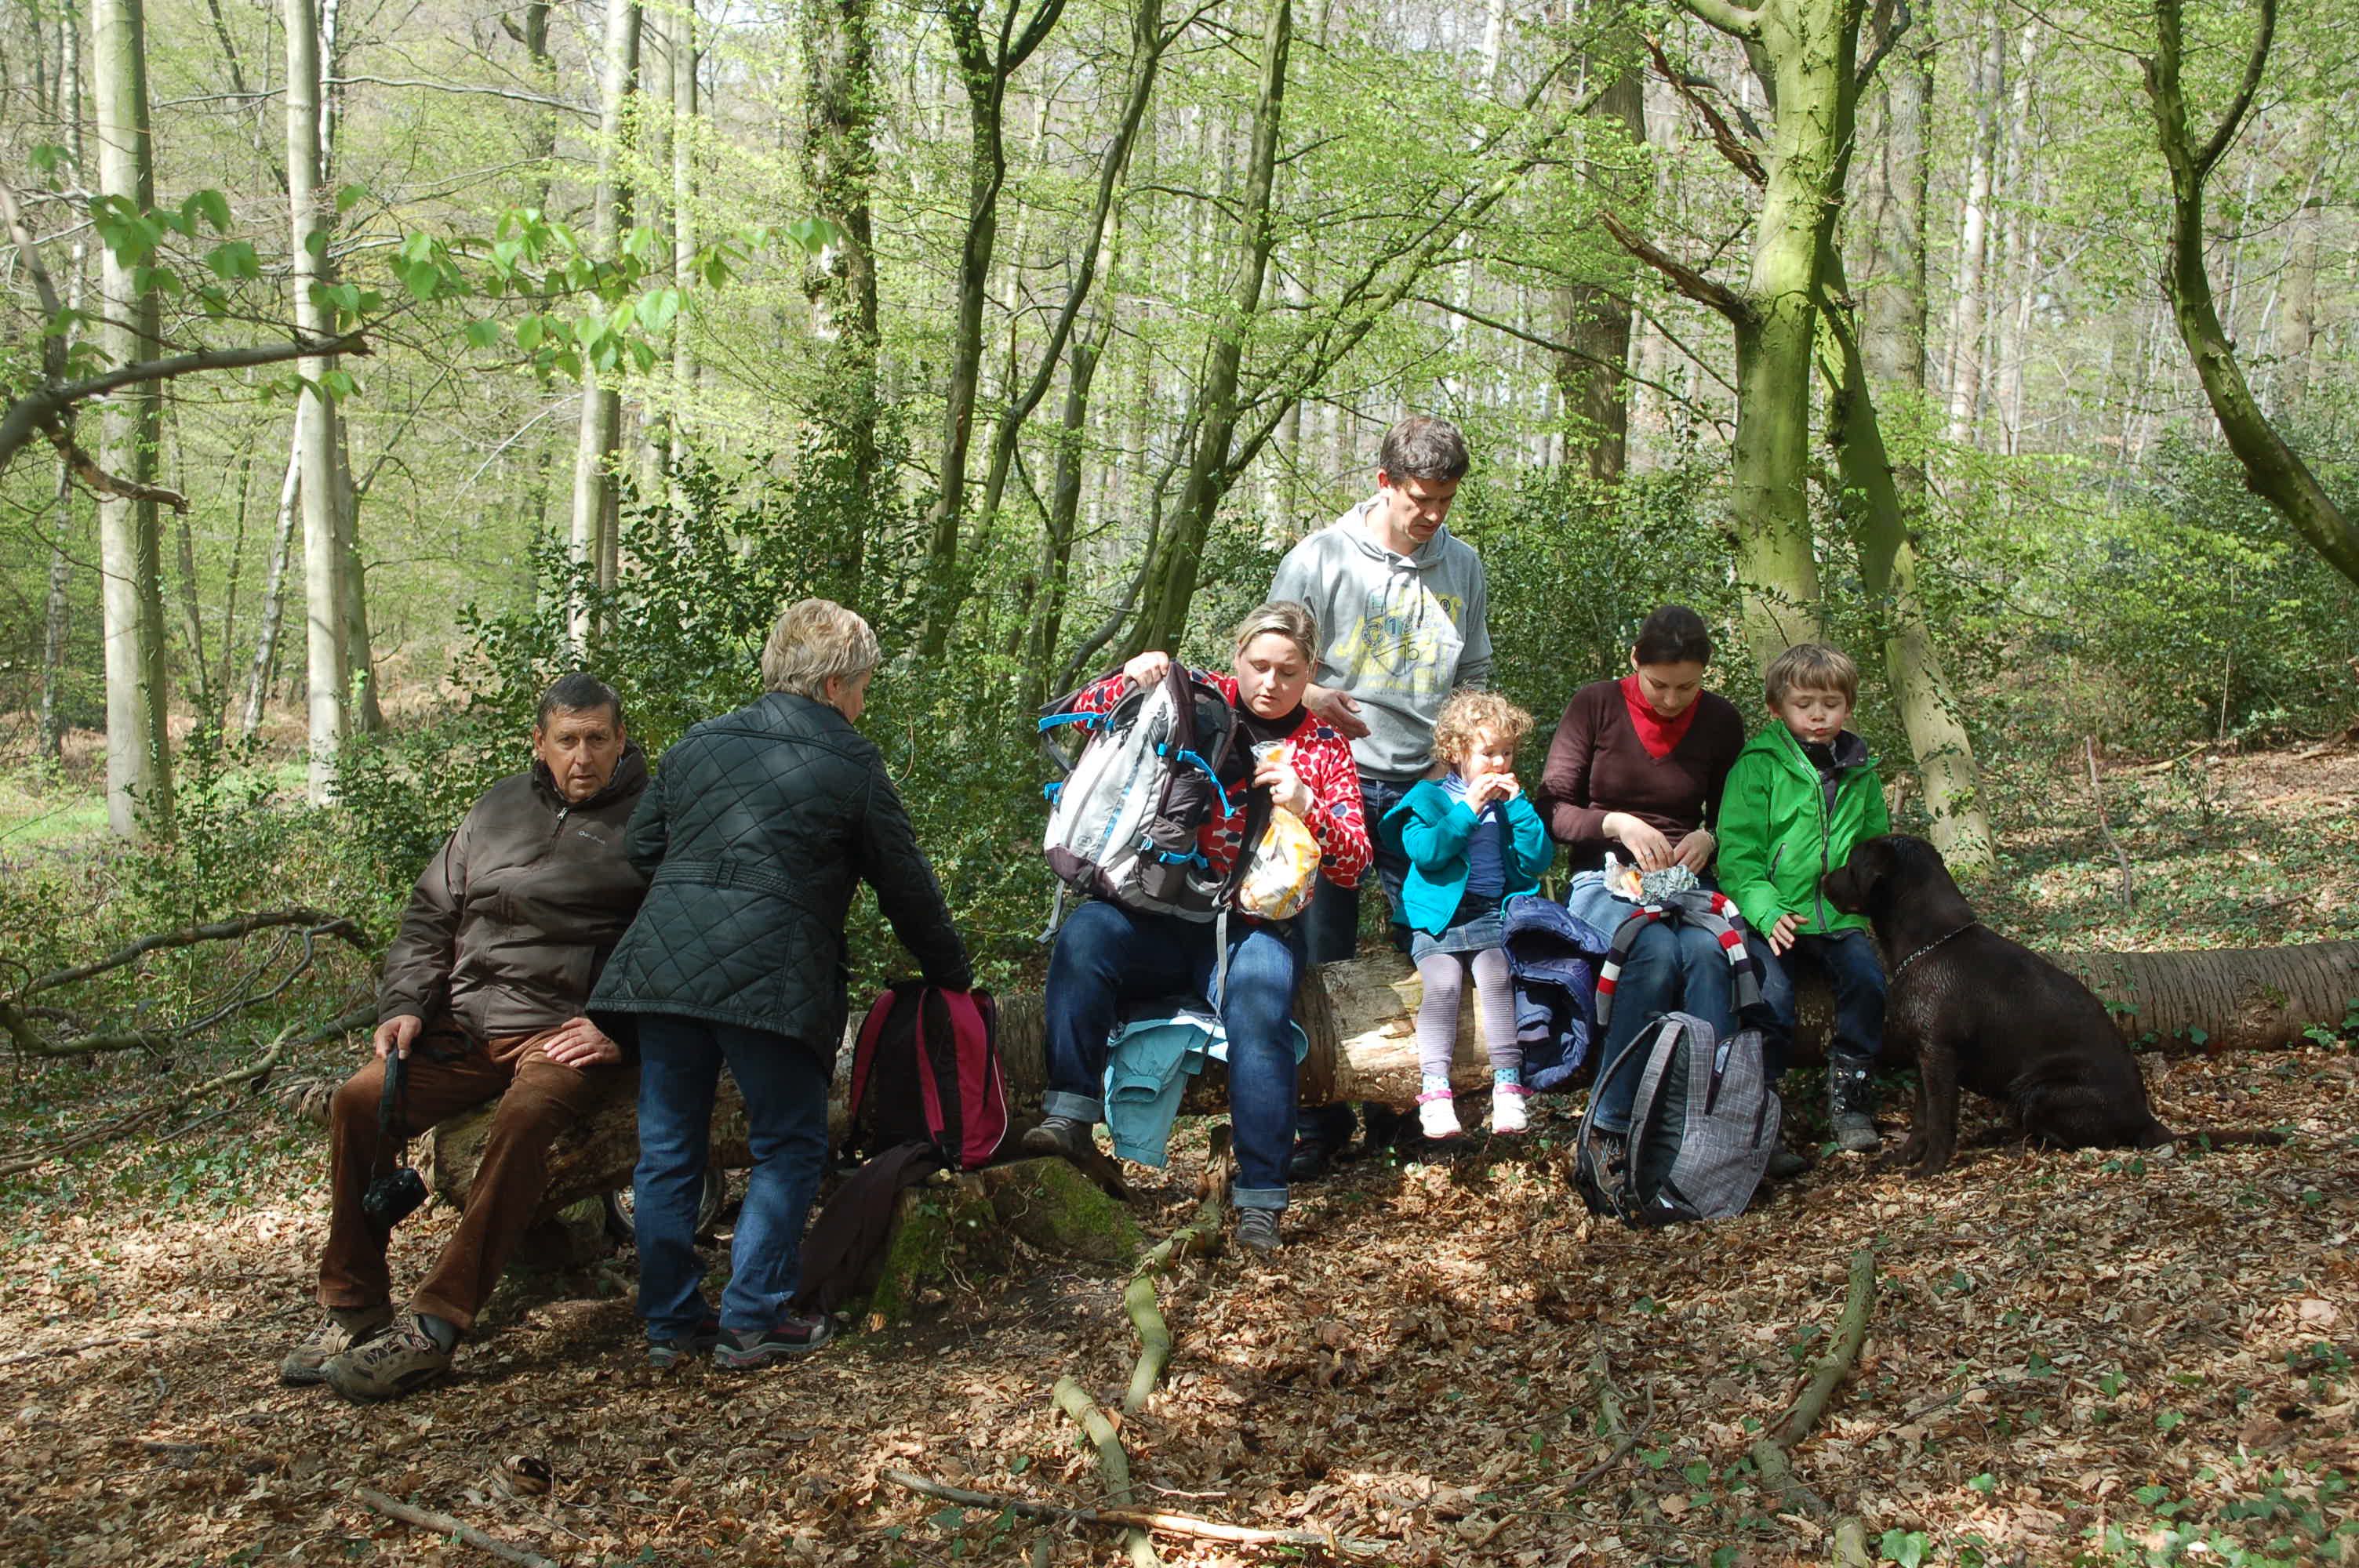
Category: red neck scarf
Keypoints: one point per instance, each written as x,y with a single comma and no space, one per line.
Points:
1659,735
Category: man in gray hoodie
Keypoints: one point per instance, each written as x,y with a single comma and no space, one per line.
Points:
1402,609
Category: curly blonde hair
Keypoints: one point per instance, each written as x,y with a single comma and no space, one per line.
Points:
1471,714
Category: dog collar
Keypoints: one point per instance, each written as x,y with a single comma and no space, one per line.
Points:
1929,947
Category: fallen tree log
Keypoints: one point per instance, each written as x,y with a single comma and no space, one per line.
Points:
1360,1018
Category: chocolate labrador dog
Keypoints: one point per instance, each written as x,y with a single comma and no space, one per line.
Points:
1988,1014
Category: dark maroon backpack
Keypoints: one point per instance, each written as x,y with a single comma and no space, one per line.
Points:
932,1057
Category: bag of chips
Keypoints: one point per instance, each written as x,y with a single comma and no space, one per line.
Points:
1281,871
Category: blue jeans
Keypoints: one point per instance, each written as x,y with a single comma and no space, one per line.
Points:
1856,972
1331,929
1106,956
784,1084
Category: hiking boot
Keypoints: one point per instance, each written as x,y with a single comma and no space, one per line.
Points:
741,1348
663,1355
1850,1105
1508,1114
1257,1229
1436,1116
1601,1160
341,1330
1785,1164
401,1360
1060,1135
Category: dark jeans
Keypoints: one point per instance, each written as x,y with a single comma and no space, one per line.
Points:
1854,970
1331,929
1106,956
785,1084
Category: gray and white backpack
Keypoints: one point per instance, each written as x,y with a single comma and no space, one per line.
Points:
1703,1126
1124,821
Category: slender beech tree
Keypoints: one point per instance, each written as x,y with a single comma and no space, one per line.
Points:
840,170
139,763
325,606
1594,317
1968,305
2273,470
683,214
54,621
986,60
601,433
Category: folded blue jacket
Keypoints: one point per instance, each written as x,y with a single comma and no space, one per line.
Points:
1157,1048
1553,955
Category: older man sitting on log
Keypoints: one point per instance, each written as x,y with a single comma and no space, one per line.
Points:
481,999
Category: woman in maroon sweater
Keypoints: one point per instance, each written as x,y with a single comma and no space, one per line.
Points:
1637,767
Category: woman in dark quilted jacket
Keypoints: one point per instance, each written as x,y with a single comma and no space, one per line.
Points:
1108,953
755,830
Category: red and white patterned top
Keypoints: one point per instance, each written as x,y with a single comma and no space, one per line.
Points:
1319,755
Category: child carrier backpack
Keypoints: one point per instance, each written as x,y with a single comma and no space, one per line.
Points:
1123,823
931,1058
1703,1126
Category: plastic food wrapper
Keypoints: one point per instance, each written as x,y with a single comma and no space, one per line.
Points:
1283,870
1647,888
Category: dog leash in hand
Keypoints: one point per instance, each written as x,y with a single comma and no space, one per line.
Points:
1929,947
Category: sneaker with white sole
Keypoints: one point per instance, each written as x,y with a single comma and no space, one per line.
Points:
1507,1113
1436,1116
341,1330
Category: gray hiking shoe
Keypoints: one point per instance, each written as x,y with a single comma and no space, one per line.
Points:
1785,1164
401,1360
1850,1107
741,1348
341,1330
1257,1229
1060,1135
663,1355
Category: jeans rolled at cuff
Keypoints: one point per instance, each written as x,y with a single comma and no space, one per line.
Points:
1272,1198
1084,1109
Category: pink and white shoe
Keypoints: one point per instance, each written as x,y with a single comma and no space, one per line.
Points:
1508,1109
1436,1116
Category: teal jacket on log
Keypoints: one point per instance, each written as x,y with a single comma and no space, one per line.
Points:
758,829
1432,827
1777,837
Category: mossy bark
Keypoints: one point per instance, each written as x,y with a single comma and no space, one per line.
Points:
969,1223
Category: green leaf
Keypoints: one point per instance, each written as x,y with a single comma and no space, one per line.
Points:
349,197
216,208
813,235
233,261
1985,1483
482,334
529,333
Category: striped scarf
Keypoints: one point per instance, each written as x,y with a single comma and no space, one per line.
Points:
1699,906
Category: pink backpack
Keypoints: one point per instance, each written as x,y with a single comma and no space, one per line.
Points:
933,1055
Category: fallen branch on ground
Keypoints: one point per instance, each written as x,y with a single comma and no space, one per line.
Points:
1114,1465
18,1360
164,1109
1188,1525
1772,1455
443,1524
1198,1237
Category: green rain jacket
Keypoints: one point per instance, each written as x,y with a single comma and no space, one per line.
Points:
1779,834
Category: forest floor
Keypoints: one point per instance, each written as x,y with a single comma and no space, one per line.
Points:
2099,1357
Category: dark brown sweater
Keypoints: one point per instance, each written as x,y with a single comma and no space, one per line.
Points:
1596,766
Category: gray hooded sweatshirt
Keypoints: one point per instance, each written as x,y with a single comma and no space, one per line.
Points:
1398,632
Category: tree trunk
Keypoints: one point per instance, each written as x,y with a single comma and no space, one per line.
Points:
367,715
684,133
1974,238
1171,582
1360,1018
324,557
274,589
985,68
839,98
54,624
1894,302
1065,507
601,432
2273,470
138,761
1594,317
1810,47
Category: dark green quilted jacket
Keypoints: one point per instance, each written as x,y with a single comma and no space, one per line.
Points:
756,827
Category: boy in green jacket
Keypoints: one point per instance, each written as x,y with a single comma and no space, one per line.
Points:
1802,793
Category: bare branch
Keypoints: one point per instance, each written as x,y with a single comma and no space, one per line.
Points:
190,936
1681,275
85,469
1725,139
2254,64
515,95
1735,20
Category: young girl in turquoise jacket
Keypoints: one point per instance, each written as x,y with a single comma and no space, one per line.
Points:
1472,842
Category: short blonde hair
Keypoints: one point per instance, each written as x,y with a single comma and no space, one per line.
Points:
816,639
1471,713
1287,618
1810,666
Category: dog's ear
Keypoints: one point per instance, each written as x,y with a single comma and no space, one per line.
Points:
1852,885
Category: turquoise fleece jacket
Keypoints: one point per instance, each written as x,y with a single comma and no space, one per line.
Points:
1431,827
1777,837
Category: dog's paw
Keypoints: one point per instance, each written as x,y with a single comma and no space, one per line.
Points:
1910,1153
